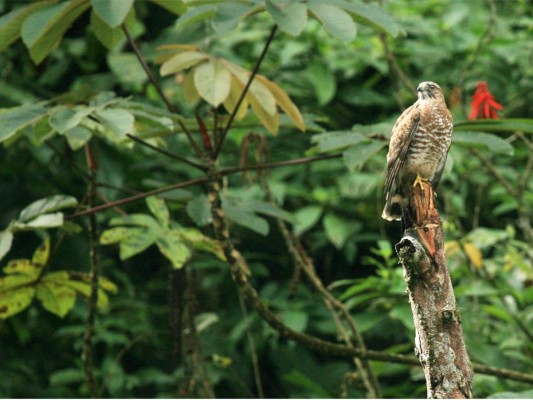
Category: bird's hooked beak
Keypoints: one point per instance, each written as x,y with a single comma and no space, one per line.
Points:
424,92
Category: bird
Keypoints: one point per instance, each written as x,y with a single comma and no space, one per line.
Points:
419,145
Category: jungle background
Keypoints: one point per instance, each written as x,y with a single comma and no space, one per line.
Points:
170,320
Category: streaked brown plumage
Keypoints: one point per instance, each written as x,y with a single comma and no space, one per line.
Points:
419,146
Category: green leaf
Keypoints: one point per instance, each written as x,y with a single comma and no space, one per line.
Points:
41,254
496,125
11,23
17,298
52,220
228,16
77,137
493,143
181,61
66,376
118,120
6,239
172,247
64,118
196,239
136,242
370,15
527,394
199,209
57,299
42,31
336,140
263,207
335,20
296,320
126,68
212,80
23,267
195,14
323,81
339,229
306,218
290,17
356,156
142,220
244,217
47,205
16,118
112,12
157,206
111,37
174,6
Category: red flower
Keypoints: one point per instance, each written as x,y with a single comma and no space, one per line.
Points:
483,103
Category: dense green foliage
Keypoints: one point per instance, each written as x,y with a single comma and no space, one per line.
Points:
330,58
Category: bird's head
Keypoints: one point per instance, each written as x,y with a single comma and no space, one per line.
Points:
429,90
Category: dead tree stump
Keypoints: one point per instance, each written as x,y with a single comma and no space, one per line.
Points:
439,341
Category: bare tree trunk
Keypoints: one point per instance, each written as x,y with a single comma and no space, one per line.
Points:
439,338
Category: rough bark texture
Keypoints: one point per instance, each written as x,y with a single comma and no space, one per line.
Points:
439,338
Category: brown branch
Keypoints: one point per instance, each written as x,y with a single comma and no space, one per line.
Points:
439,342
158,88
166,152
86,355
197,181
243,94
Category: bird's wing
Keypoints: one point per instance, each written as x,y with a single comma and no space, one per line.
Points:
403,133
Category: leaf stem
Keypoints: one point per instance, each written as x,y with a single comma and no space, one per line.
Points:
244,92
157,86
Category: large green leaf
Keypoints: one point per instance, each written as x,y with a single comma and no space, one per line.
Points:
6,239
11,23
290,17
119,121
172,247
335,20
306,218
57,299
371,15
160,210
493,143
199,209
245,218
339,229
496,125
228,16
336,140
47,205
323,81
16,298
17,118
64,118
356,156
113,12
110,37
212,81
77,137
174,6
195,14
42,31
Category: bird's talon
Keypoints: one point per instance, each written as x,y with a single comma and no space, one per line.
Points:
419,181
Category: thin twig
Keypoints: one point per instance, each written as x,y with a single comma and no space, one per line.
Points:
197,181
166,152
158,88
245,90
253,350
93,297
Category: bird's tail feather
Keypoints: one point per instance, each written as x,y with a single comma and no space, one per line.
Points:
393,208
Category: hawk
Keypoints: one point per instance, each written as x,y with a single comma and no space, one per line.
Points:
418,148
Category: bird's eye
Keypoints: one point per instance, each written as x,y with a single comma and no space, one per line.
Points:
432,86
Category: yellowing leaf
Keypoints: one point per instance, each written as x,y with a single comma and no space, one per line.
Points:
474,255
452,247
40,257
257,89
159,209
182,61
212,81
15,299
114,235
189,88
23,267
271,122
284,102
173,248
236,88
56,298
